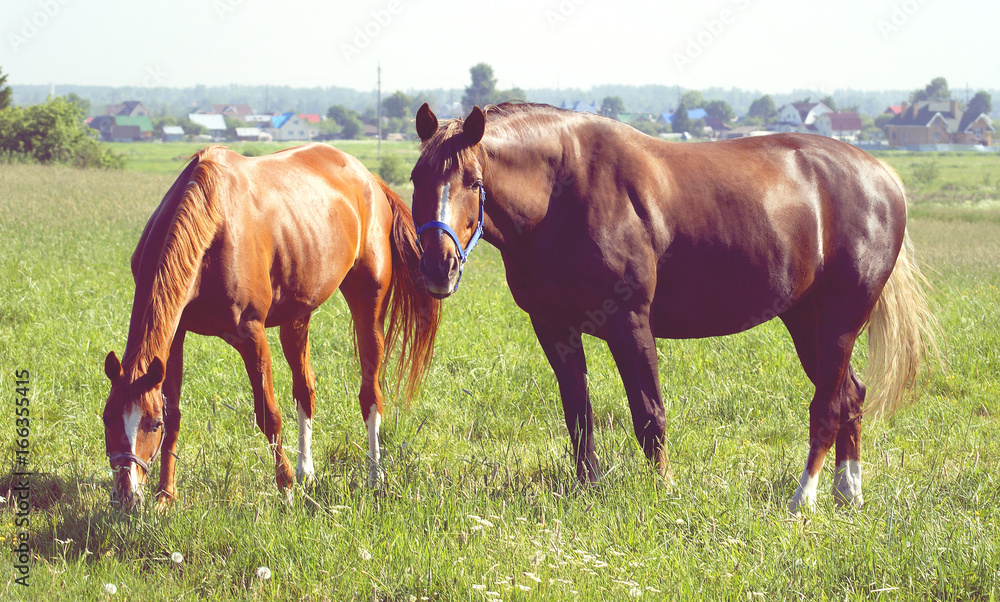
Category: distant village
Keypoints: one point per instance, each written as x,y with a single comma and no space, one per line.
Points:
924,125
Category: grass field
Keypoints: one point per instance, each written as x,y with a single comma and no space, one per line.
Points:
480,502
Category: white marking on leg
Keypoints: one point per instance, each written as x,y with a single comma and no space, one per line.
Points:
806,493
375,476
305,472
131,418
847,484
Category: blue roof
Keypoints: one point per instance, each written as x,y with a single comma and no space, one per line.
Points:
279,120
698,113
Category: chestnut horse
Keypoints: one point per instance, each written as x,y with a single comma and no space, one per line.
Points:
609,232
238,245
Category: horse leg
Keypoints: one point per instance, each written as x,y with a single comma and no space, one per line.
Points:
565,355
257,358
368,302
847,479
166,491
834,413
295,346
631,341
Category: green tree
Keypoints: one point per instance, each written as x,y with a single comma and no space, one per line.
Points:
611,106
937,89
763,108
392,169
5,91
830,102
692,99
982,102
719,109
483,88
83,103
54,132
231,124
339,114
680,123
352,128
396,106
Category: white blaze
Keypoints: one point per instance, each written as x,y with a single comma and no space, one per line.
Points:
131,418
443,213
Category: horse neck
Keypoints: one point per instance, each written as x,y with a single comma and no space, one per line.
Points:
169,257
521,177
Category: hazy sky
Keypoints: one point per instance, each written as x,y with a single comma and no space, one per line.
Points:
766,45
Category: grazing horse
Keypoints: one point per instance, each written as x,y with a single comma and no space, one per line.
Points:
241,244
608,232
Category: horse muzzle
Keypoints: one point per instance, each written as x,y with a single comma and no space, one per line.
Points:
441,277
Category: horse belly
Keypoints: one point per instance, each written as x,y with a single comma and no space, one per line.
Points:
698,303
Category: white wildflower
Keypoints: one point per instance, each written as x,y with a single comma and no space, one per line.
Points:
365,554
177,558
533,577
110,589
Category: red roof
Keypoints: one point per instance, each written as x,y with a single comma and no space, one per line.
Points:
310,117
894,109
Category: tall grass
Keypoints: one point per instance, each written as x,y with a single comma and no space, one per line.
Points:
480,501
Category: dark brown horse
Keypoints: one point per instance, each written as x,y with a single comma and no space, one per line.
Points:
608,232
238,245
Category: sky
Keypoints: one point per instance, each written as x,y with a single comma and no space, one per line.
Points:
773,46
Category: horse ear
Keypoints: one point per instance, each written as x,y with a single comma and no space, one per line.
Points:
427,122
154,375
475,125
112,367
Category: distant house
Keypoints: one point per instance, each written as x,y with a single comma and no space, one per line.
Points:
252,135
213,122
240,111
123,128
173,133
843,126
799,116
291,126
938,122
129,108
124,133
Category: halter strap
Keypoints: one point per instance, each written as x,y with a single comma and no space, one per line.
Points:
132,458
463,254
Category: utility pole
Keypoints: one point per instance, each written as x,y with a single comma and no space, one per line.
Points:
378,112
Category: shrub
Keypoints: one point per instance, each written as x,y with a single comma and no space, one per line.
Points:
54,132
392,170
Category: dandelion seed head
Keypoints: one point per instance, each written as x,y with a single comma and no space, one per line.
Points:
365,554
176,557
110,589
263,573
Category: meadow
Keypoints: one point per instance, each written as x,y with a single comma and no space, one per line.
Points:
480,501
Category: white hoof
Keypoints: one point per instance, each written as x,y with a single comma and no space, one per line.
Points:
847,484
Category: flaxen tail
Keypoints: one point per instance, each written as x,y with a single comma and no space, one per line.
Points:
413,314
902,334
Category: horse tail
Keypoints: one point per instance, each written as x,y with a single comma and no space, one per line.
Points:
413,314
902,332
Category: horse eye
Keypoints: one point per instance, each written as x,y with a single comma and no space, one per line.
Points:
477,184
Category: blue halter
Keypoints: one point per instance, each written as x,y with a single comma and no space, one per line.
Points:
463,254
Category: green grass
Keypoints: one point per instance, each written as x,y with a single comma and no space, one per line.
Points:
480,494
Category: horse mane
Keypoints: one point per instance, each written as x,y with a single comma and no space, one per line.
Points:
163,275
446,148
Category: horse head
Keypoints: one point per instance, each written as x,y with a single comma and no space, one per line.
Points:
133,426
448,197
